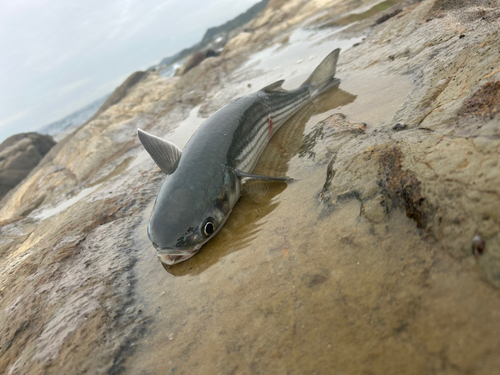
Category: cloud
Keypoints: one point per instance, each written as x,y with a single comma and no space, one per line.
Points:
11,119
64,90
59,55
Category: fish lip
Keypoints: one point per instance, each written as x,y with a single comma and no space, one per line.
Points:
174,252
171,256
170,260
177,252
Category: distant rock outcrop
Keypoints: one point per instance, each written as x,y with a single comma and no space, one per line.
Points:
195,60
213,32
119,93
234,23
19,154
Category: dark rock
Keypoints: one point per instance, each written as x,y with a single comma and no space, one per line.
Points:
194,60
484,103
399,126
403,188
477,245
19,154
387,16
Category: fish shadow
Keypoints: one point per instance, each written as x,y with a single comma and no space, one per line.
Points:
258,199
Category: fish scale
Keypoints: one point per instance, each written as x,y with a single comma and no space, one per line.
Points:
275,109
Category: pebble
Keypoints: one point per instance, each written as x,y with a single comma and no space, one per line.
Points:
478,245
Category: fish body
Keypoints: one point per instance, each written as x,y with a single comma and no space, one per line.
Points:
204,181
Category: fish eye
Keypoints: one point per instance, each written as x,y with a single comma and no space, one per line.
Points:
208,227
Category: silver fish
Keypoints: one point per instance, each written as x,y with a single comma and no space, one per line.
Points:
204,180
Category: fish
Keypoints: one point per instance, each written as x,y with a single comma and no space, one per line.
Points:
205,180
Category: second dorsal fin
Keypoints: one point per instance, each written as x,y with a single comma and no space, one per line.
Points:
276,86
165,154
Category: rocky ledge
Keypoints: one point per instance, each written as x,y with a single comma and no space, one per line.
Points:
383,257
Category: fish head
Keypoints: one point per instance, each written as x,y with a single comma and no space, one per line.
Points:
190,209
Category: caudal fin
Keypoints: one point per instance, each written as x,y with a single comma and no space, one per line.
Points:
323,77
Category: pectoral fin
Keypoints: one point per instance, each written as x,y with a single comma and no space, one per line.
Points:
244,177
165,154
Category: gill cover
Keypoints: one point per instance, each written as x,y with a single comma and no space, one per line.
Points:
164,153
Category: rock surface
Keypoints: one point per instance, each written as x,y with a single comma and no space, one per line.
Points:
382,257
19,154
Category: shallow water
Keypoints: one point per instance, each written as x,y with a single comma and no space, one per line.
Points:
48,212
244,302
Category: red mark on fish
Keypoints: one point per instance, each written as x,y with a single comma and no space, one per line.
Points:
270,126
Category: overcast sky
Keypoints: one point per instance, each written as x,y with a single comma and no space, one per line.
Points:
56,56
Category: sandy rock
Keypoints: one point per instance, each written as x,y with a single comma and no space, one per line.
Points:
236,44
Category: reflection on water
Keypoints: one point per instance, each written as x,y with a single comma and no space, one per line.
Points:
243,225
48,212
362,14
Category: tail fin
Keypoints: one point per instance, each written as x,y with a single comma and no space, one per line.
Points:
323,77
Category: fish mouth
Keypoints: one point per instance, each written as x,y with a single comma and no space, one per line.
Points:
171,256
170,260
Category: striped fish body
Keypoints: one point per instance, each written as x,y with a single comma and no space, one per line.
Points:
237,134
205,183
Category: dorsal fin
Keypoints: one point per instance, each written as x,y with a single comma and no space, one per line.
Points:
276,86
165,154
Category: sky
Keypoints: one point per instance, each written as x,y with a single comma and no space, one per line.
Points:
57,56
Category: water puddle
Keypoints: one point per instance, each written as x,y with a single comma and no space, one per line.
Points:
378,97
293,58
301,46
48,212
362,13
256,219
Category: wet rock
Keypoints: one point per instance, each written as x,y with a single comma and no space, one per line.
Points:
328,136
19,154
375,209
372,243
